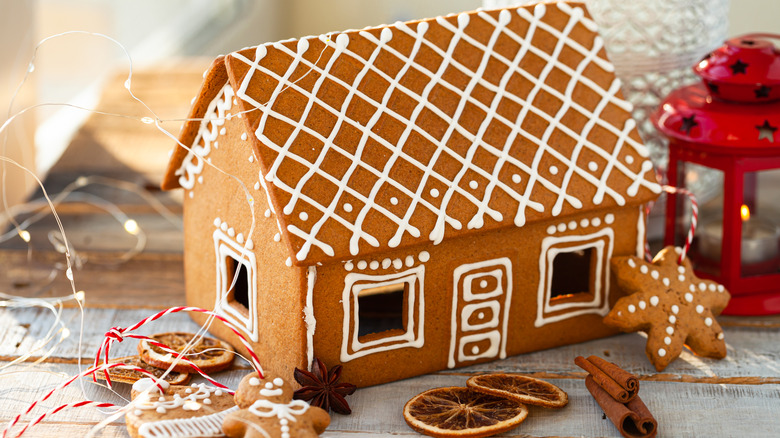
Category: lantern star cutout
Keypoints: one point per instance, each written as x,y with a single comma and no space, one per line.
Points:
762,91
766,131
671,305
688,123
738,67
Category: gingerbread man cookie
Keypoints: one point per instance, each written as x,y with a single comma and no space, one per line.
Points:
268,410
177,411
671,304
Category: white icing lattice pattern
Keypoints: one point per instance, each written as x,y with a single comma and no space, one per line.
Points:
433,193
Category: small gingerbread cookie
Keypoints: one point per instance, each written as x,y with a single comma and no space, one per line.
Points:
268,410
177,411
208,354
671,304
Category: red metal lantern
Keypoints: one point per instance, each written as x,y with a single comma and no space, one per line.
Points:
729,123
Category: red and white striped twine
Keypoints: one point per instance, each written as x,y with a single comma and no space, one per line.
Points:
691,230
118,334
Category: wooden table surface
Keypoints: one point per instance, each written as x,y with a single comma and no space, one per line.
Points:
736,396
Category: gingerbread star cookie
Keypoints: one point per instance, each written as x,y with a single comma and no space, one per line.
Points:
671,305
177,411
269,411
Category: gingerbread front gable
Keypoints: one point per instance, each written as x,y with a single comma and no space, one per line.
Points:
389,137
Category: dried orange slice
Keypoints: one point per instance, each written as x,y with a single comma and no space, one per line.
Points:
132,376
210,355
461,412
520,388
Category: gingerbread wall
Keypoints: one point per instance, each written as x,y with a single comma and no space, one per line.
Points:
521,329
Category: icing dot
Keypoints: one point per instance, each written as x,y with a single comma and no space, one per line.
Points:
596,222
409,261
681,277
424,256
721,288
277,237
223,227
240,238
692,288
629,159
137,412
642,305
678,250
551,229
231,232
672,319
191,194
474,350
216,145
553,170
398,263
394,200
631,308
561,227
269,385
222,131
708,321
688,297
483,284
675,309
661,352
243,136
288,262
200,179
386,263
481,315
666,282
712,287
584,223
206,401
160,410
654,300
374,265
631,263
267,213
188,391
720,336
278,381
516,179
473,185
654,274
670,330
681,270
592,166
699,308
257,186
434,193
572,225
218,392
304,216
667,340
362,264
251,158
643,269
254,381
609,218
349,266
347,207
702,286
216,222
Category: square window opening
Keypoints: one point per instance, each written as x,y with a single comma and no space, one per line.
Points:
382,311
238,295
571,275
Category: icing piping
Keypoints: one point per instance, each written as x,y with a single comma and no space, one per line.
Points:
340,47
600,302
414,337
225,247
480,301
308,312
164,403
205,426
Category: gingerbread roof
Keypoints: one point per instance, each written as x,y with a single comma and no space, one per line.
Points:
399,135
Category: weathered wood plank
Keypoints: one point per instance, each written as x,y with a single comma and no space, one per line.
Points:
752,352
682,409
148,280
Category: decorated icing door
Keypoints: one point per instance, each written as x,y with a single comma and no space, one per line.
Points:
481,297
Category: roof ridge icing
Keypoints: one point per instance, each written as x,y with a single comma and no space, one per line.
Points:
389,137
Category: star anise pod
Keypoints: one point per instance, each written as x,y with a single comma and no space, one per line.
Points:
320,388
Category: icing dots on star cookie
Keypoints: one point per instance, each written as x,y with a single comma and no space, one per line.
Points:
682,307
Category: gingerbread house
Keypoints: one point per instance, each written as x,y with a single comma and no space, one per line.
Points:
414,197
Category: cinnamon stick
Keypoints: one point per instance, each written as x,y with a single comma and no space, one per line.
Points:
633,419
620,384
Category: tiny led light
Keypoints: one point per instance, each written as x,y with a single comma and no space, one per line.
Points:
131,226
744,211
80,296
25,235
147,120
